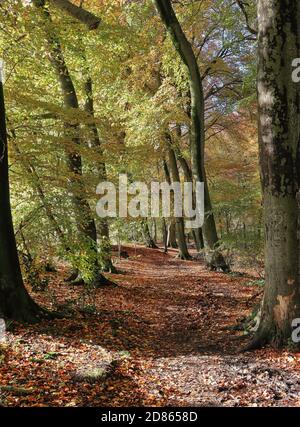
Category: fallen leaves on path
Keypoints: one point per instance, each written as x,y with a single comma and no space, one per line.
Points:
161,337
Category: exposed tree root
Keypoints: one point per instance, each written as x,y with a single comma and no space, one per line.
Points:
110,268
152,245
33,314
102,281
98,282
215,262
255,344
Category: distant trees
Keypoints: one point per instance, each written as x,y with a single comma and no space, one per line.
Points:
279,141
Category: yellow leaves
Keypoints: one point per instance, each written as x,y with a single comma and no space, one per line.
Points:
218,65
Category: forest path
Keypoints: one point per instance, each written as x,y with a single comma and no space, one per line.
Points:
160,337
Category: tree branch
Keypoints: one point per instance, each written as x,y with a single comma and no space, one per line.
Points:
241,5
82,15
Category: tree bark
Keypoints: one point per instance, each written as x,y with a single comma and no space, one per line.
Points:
172,242
103,227
180,229
164,234
149,242
279,141
171,238
15,302
85,17
188,176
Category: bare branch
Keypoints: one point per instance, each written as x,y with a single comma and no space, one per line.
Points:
241,5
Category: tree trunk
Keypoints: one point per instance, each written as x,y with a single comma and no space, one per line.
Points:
84,219
187,55
180,229
82,15
164,234
188,176
171,238
149,242
154,230
279,119
15,302
36,185
172,242
102,224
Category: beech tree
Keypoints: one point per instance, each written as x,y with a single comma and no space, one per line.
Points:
15,302
85,221
188,57
175,178
279,118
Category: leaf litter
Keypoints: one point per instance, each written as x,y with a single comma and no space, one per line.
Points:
162,337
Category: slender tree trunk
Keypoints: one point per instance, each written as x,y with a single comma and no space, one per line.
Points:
279,140
103,227
197,233
187,55
180,229
165,234
171,239
149,242
36,185
84,219
15,302
154,231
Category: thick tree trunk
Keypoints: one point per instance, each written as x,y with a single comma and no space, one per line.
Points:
15,302
187,55
279,140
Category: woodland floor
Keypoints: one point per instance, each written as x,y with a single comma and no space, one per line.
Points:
160,338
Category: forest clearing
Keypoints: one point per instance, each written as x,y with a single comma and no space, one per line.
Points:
149,205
